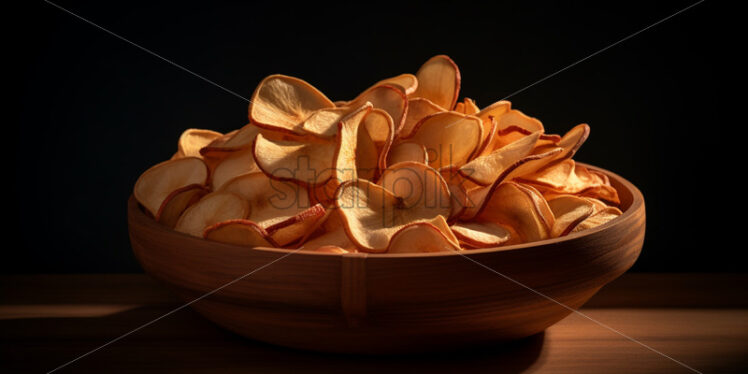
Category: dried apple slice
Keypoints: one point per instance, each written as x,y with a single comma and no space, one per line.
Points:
347,152
282,103
212,208
381,130
600,218
470,107
239,232
306,163
489,117
192,140
450,138
520,207
387,98
337,238
417,185
271,201
178,202
486,169
421,237
515,118
294,228
570,143
418,109
439,81
235,163
408,83
231,142
156,184
324,122
569,211
482,234
371,214
407,151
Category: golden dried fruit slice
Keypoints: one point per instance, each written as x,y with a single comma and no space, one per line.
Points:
407,83
294,228
566,177
178,202
460,107
600,218
439,81
271,201
282,103
407,151
417,185
450,138
490,115
193,140
380,126
231,142
515,118
486,169
371,214
239,232
421,237
347,152
212,208
520,207
324,122
387,98
570,142
337,238
381,130
156,184
305,163
418,109
234,164
569,211
482,234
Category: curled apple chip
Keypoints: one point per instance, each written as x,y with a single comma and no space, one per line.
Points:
381,130
231,142
306,163
485,170
192,140
324,122
212,208
600,218
354,148
178,202
282,103
387,98
156,184
239,232
520,207
421,237
569,211
482,234
450,138
371,214
294,228
407,151
439,81
418,109
408,83
417,185
234,164
271,201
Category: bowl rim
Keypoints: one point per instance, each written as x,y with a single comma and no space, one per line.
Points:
637,204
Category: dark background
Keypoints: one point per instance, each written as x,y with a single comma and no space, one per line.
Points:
90,112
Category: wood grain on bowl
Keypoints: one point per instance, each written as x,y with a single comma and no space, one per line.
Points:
392,303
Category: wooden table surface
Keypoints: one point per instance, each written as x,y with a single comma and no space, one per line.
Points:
48,320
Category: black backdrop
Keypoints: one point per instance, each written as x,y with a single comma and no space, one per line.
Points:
91,112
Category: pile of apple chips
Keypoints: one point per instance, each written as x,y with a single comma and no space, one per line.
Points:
403,167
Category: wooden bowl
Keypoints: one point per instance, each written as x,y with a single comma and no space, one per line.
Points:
391,303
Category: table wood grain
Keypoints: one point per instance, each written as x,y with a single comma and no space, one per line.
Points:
48,320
